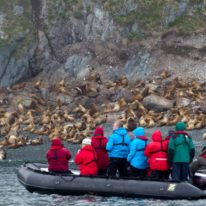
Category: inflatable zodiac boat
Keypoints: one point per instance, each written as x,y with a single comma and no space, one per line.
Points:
36,178
199,179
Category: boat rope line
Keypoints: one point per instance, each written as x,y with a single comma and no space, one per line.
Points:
67,180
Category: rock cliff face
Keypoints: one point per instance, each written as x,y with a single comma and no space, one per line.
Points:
60,38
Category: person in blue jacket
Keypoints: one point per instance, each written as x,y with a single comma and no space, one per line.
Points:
118,149
136,157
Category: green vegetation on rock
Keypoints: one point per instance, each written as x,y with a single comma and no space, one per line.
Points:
151,15
64,9
18,27
187,24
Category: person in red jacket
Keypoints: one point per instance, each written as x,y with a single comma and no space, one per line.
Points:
58,157
99,144
86,158
156,152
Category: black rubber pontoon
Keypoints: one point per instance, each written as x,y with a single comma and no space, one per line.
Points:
34,177
199,179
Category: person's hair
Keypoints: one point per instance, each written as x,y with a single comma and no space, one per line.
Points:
117,124
131,124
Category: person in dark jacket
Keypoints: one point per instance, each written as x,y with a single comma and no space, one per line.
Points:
181,152
170,134
136,156
58,157
99,144
118,148
86,158
156,152
200,163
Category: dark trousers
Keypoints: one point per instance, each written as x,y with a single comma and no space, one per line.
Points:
102,172
134,172
180,171
117,164
160,175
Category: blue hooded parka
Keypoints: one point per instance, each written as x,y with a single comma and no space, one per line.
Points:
118,144
136,156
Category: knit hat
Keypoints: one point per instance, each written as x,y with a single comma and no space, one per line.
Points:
139,131
180,126
98,131
86,141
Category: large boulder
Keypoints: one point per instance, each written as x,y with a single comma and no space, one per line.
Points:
59,97
157,103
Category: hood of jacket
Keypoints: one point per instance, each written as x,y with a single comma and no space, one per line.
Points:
157,136
56,144
180,126
139,131
98,132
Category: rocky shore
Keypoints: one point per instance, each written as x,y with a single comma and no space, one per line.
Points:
71,109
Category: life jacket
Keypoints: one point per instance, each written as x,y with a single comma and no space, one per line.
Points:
58,157
123,143
99,145
145,143
156,151
159,150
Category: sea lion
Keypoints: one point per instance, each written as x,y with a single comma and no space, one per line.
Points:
164,120
30,127
151,122
204,136
12,139
36,141
2,154
142,122
164,74
122,102
68,117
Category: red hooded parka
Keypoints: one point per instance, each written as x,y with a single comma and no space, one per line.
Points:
87,160
99,144
156,152
58,157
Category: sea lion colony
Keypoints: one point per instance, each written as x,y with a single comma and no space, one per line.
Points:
71,109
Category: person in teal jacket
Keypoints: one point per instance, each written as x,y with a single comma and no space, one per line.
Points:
136,157
181,152
118,149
